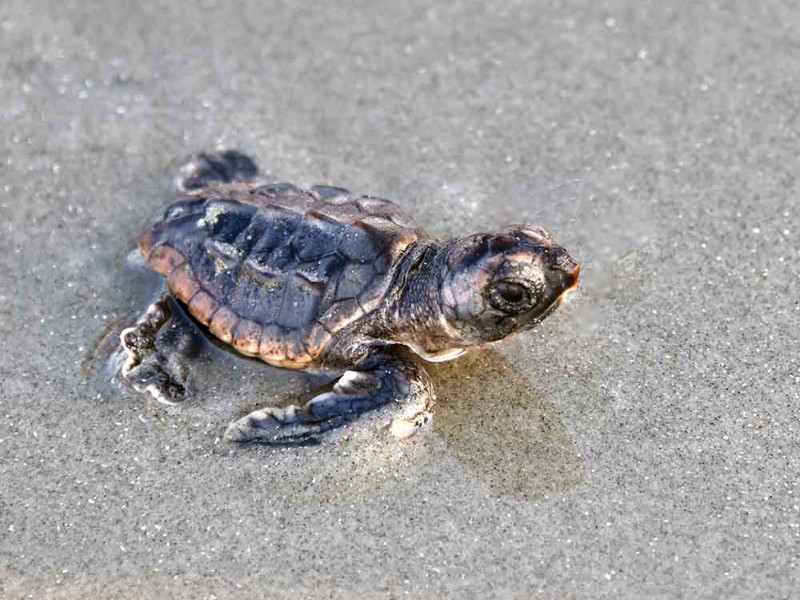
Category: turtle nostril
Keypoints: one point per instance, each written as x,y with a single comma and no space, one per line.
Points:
572,271
569,269
561,260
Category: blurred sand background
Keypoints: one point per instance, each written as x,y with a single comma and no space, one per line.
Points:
643,443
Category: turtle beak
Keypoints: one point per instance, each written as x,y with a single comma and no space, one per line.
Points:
569,272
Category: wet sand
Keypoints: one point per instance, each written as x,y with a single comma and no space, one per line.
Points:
643,442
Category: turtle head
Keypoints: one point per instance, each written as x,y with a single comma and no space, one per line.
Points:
500,283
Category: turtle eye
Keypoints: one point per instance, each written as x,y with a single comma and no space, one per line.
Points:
509,295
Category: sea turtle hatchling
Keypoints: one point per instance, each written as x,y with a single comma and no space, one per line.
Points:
326,281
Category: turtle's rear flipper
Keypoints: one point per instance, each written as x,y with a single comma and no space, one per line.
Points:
158,349
208,168
383,379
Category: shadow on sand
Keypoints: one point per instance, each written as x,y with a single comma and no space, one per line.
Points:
499,427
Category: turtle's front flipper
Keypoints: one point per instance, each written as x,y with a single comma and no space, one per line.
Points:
207,168
378,380
157,350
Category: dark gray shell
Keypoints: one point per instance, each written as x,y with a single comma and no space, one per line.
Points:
276,271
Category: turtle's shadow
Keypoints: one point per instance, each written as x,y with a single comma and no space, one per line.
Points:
499,427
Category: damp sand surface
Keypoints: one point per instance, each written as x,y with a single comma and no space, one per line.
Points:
643,442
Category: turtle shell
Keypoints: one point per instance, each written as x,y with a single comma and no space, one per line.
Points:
276,271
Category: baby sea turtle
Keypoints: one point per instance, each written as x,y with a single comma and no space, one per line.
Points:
327,281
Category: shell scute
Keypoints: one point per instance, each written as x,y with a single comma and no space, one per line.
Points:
300,303
182,282
321,270
352,280
246,337
273,227
360,244
224,254
296,353
165,259
224,219
182,209
278,191
331,194
202,306
316,236
272,343
223,323
316,337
